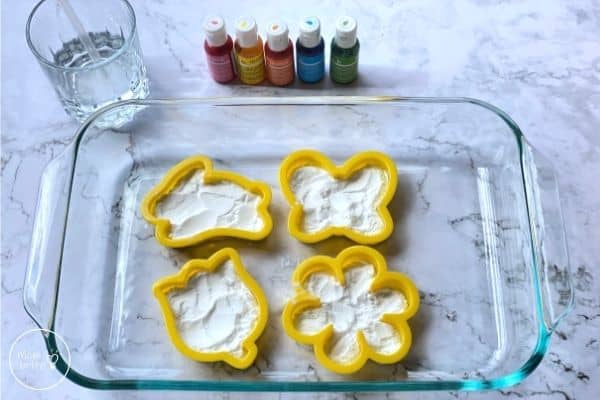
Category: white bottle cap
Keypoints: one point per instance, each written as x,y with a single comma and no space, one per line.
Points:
277,35
214,27
345,32
246,32
310,32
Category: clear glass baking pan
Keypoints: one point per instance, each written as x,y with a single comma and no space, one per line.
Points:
478,228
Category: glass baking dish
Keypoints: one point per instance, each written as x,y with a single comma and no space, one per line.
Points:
478,228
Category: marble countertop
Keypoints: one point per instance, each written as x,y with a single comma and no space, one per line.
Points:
540,63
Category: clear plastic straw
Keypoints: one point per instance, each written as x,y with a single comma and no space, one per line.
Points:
84,37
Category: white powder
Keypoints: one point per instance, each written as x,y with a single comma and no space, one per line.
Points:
351,308
215,312
193,207
350,203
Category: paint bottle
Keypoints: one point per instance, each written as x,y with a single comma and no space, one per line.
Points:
249,55
343,67
310,51
218,47
279,54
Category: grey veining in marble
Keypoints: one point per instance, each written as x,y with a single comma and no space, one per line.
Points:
540,62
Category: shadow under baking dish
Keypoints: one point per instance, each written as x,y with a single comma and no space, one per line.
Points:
468,226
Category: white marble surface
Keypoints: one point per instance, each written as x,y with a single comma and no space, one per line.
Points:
539,62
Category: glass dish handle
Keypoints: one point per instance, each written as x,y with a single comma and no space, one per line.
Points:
43,266
549,237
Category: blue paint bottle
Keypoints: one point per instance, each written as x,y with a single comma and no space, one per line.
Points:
310,51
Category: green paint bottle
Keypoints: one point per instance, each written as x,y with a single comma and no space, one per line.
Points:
343,66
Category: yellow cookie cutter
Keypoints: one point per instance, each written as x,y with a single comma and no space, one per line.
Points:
304,158
181,171
180,280
383,279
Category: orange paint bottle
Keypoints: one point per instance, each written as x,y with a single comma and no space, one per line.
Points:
279,54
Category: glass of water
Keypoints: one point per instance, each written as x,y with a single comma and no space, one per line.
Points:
90,51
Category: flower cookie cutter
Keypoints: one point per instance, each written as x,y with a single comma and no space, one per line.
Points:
211,176
180,280
383,279
312,158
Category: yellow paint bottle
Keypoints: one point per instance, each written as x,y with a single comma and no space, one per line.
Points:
249,53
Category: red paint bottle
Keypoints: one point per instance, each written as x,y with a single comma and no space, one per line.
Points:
279,54
218,47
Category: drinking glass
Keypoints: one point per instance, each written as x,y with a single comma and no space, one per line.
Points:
91,53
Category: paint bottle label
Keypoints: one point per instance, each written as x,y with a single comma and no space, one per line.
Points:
311,69
344,69
221,67
280,73
251,69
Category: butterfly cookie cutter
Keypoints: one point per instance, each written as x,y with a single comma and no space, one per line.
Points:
312,158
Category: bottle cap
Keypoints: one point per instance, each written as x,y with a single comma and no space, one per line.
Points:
246,32
214,27
277,35
310,32
345,32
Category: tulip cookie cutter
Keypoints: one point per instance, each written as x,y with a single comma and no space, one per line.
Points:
311,158
382,280
163,286
211,176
